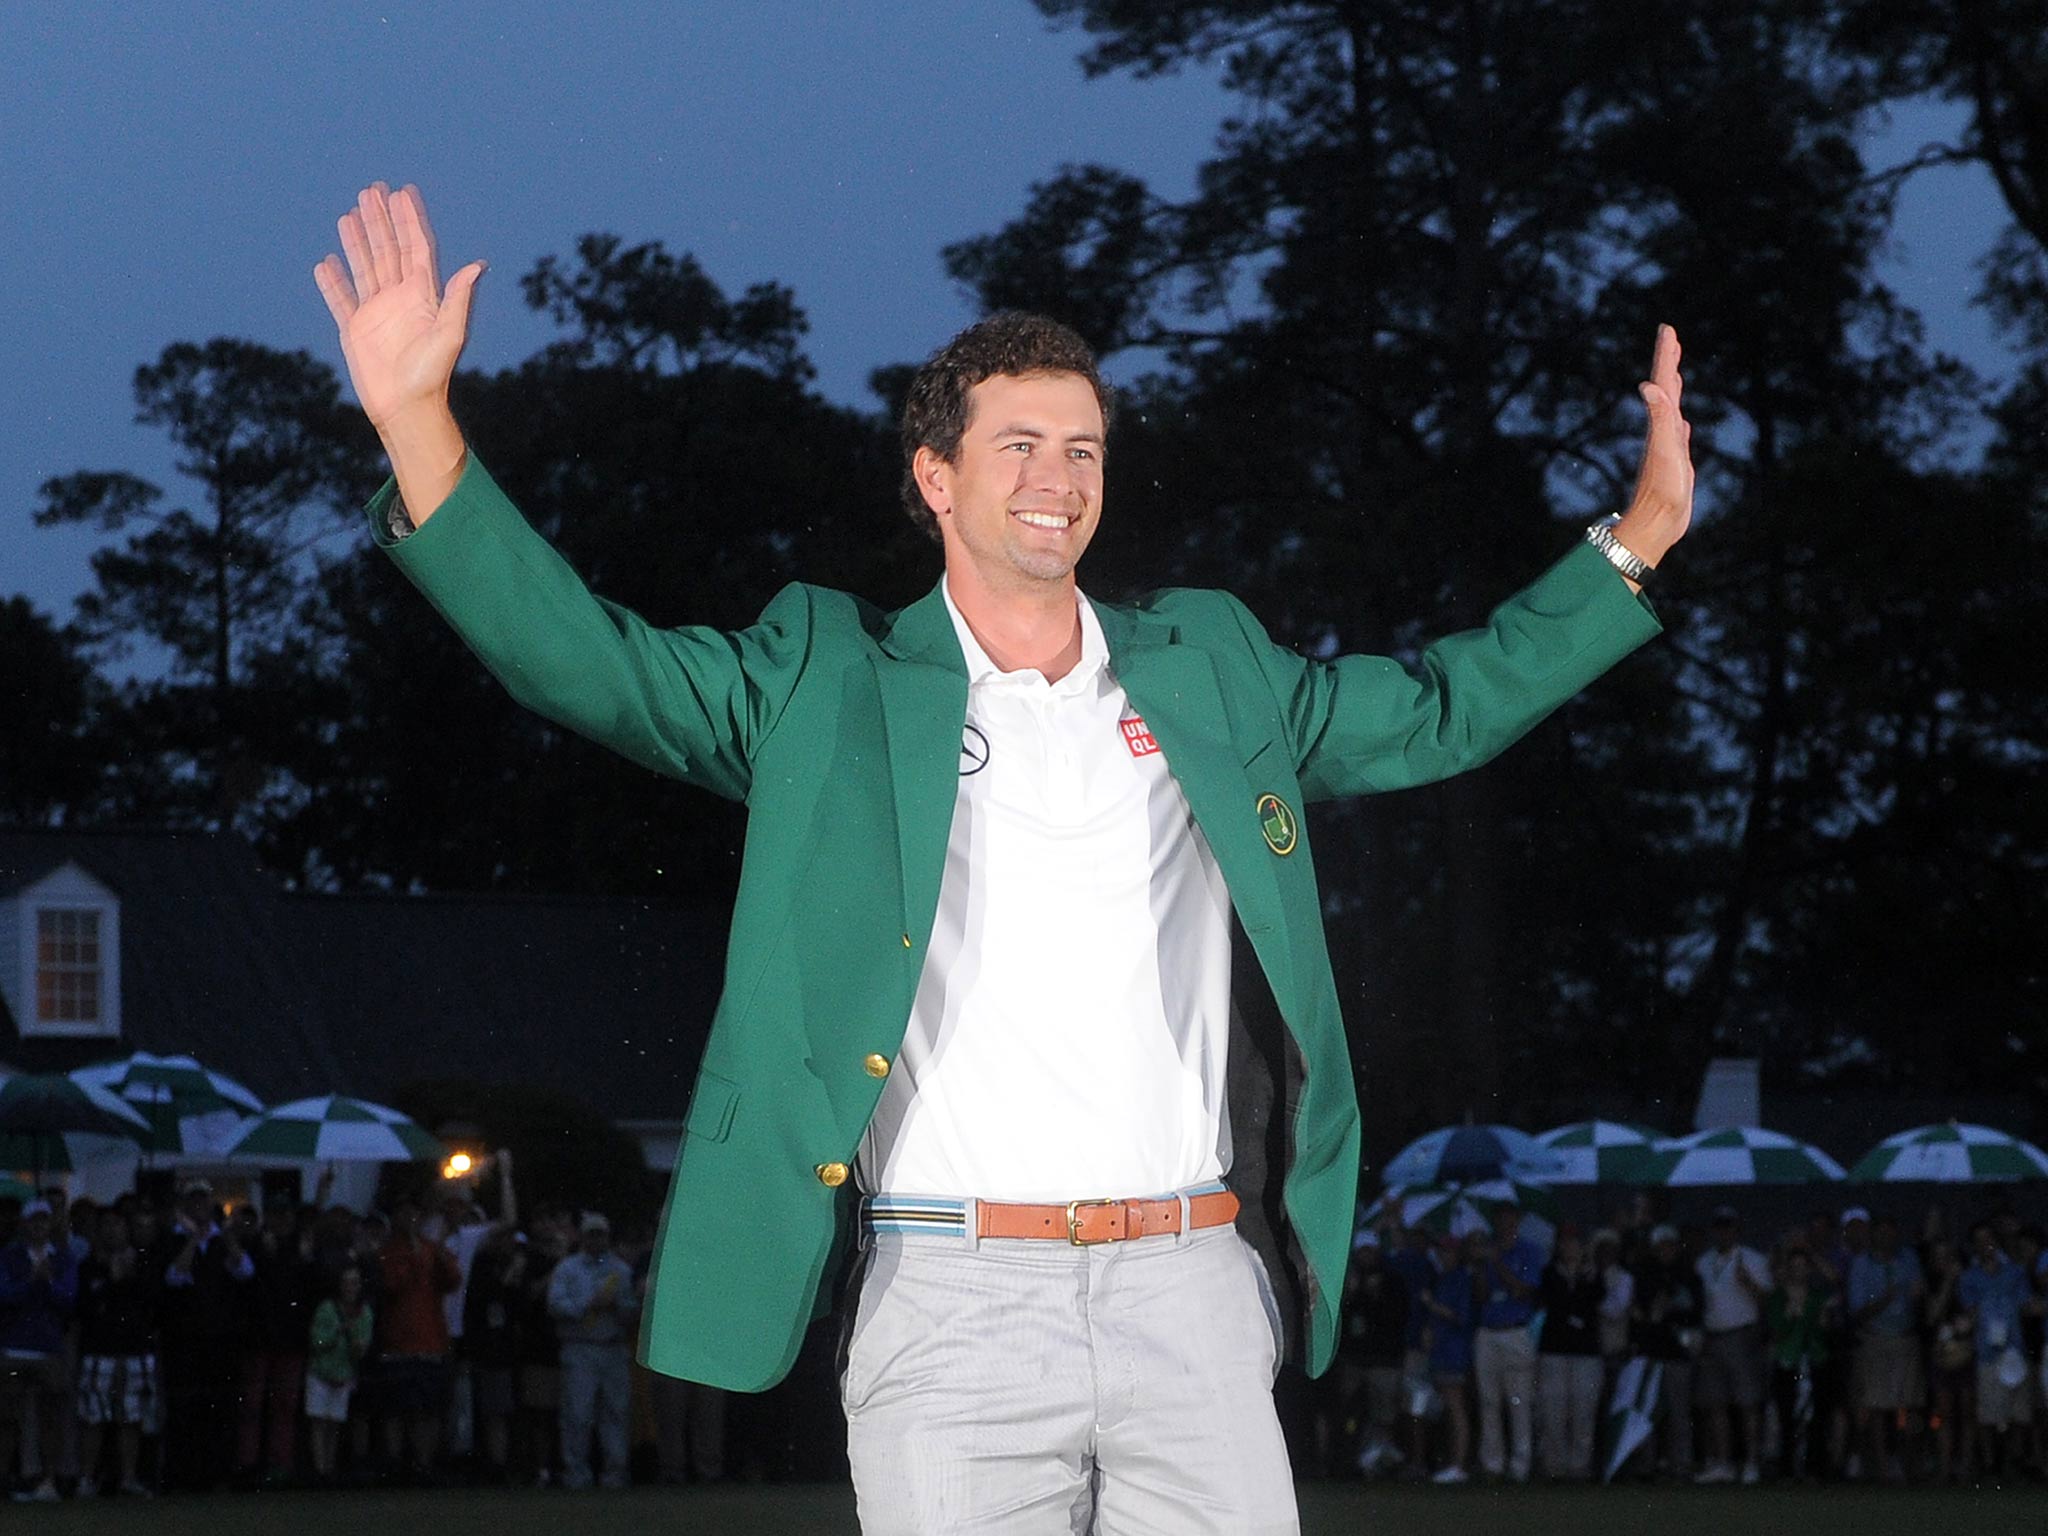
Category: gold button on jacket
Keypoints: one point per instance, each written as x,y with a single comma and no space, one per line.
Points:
876,1065
832,1175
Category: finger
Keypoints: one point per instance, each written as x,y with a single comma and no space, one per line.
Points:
376,213
455,302
415,237
1664,365
356,244
334,287
1664,354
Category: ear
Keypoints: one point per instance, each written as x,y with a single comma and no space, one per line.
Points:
934,478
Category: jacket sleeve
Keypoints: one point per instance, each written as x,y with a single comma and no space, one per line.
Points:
1362,724
692,702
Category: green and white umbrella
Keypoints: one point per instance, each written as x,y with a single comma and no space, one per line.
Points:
1601,1152
1460,1154
192,1110
1951,1154
41,1152
1740,1154
333,1129
1455,1209
41,1111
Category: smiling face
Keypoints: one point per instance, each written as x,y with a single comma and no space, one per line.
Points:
1019,501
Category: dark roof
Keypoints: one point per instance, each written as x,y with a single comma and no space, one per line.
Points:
609,998
207,965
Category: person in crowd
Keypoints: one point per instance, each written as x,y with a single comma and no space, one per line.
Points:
462,1226
1734,1279
38,1288
1994,1291
595,1307
493,1318
1952,1358
1632,1220
368,1233
1796,1326
540,1352
333,1231
1885,1292
412,1339
1412,1261
2033,1262
1504,1353
1617,1299
204,1288
1847,1240
1568,1367
1667,1321
117,1367
286,1287
1370,1356
337,1340
1453,1302
72,1223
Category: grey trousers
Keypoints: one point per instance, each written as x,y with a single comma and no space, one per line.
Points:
597,1385
1027,1386
1504,1362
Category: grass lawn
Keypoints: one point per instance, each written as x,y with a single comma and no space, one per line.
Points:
818,1510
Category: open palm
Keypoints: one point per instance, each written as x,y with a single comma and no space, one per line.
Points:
400,333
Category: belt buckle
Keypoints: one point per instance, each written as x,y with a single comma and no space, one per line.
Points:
1074,1223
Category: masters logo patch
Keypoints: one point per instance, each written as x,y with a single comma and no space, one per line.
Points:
1277,822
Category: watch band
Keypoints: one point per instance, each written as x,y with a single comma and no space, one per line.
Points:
1601,536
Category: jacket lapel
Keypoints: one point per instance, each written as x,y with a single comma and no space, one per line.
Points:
924,702
1176,689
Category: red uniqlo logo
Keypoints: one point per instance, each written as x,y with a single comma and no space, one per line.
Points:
1137,738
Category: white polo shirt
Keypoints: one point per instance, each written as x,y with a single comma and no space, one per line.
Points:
1069,1032
1725,1302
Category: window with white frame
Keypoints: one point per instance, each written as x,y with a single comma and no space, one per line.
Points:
68,971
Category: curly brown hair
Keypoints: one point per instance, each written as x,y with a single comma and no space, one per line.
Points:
1011,342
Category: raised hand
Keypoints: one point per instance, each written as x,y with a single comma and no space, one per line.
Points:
1661,509
400,333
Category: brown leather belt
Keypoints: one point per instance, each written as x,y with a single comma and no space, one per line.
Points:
1086,1222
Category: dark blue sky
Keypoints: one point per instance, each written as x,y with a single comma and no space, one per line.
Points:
172,172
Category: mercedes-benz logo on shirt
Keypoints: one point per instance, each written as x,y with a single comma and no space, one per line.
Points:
973,750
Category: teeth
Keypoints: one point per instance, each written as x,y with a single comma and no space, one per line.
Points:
1042,519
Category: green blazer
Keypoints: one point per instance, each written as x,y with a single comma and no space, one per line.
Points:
839,726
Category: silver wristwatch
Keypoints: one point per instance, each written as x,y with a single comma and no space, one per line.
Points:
1601,536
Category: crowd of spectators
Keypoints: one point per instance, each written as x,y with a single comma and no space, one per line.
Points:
1844,1352
194,1346
198,1346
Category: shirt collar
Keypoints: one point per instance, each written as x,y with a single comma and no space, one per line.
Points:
981,667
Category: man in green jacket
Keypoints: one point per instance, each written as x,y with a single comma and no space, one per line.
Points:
1027,987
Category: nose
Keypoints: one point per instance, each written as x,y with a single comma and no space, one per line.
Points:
1050,473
